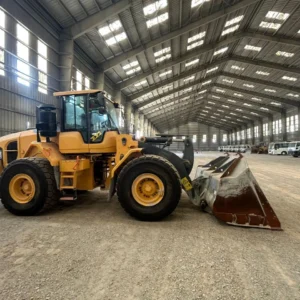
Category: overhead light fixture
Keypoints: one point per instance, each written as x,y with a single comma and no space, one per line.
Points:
157,20
234,21
252,48
270,25
230,30
277,15
165,73
289,78
237,68
140,83
212,70
262,73
293,95
194,45
198,2
221,51
154,7
270,90
285,54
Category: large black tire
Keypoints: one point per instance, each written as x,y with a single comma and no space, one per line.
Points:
42,174
167,174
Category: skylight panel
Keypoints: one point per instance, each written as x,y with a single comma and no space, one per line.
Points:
213,117
238,95
226,106
270,25
270,90
256,99
227,80
162,58
194,45
262,73
210,102
230,30
2,18
161,18
154,7
285,54
230,100
252,48
133,71
198,2
277,15
202,92
216,97
289,78
239,109
187,90
220,91
247,104
232,114
189,78
212,69
264,108
251,86
245,117
117,38
140,83
167,87
276,103
206,82
208,107
165,73
131,65
237,68
221,51
162,51
195,61
216,114
196,37
293,95
206,111
253,113
234,21
110,28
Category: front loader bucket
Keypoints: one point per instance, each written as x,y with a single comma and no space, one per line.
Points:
228,188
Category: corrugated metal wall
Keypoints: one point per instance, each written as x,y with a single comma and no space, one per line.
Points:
18,102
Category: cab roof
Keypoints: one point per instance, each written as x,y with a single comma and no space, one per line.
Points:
67,93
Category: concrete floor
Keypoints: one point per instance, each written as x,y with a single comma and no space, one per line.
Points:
93,250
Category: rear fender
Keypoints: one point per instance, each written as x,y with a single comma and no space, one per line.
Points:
177,162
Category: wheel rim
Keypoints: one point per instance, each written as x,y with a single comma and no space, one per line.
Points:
148,189
22,188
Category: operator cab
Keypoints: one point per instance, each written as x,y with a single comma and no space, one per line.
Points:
88,112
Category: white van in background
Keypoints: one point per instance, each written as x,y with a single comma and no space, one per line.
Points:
293,146
279,148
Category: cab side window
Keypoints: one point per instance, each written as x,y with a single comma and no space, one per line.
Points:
12,151
75,114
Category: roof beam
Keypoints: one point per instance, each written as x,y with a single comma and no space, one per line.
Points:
201,68
217,15
260,81
87,24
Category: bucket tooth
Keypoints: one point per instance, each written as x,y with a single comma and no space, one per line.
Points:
233,195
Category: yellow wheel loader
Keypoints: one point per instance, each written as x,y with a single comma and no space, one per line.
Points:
41,166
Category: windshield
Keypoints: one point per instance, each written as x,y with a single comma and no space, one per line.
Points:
292,145
271,146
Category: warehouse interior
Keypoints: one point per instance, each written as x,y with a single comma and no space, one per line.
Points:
219,72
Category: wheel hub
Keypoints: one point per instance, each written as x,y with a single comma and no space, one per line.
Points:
22,188
148,189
